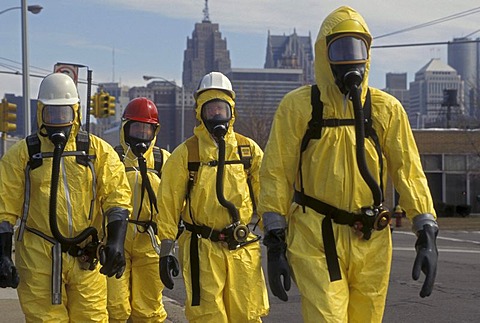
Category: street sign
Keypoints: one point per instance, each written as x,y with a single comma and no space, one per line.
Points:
70,70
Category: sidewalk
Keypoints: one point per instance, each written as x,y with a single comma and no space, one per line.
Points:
11,311
469,223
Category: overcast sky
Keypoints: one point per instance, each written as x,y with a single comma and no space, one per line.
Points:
122,40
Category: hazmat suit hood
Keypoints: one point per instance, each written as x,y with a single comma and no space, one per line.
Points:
130,158
330,93
42,133
201,130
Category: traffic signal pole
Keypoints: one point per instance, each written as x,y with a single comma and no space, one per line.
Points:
4,143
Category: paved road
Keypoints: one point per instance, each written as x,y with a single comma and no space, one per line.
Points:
456,297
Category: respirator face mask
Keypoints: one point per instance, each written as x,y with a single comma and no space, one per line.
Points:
216,115
58,121
347,55
139,135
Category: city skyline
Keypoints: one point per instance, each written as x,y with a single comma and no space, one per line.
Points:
122,41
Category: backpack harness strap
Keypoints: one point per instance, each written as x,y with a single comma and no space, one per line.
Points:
314,131
202,231
158,161
86,255
157,170
157,157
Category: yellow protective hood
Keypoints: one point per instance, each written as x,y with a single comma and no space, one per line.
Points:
73,133
323,73
130,159
204,97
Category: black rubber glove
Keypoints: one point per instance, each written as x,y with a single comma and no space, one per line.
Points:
277,265
168,267
426,259
8,272
112,256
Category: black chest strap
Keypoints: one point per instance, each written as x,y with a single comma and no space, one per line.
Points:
157,157
34,147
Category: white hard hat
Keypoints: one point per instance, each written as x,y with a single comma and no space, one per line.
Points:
58,89
215,80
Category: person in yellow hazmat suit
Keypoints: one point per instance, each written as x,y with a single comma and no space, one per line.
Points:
211,182
322,181
138,293
69,191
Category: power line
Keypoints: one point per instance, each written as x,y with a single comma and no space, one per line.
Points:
81,81
40,69
471,34
462,41
432,22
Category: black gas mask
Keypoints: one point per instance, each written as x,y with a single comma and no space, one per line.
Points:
216,115
347,55
57,121
139,136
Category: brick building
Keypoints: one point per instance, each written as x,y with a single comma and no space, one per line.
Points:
451,161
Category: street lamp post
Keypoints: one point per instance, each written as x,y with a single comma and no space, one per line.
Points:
182,131
25,62
34,8
25,72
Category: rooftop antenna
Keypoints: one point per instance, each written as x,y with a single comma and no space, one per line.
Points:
206,17
113,64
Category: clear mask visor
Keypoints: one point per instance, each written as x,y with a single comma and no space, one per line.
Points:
216,110
58,115
347,49
141,131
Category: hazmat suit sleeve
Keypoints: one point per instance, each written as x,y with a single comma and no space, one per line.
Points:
12,175
403,158
257,156
113,189
282,153
171,193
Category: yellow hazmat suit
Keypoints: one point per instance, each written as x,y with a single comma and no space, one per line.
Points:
232,284
138,293
84,292
331,175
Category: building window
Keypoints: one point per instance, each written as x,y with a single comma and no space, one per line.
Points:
454,181
456,189
435,185
474,180
432,162
474,162
455,163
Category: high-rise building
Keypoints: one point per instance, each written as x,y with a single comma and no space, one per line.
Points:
427,107
258,93
291,52
397,86
206,52
167,96
464,56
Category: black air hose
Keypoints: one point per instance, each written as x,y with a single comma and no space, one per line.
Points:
59,143
219,184
360,149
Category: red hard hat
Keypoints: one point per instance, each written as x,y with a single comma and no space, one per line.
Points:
141,109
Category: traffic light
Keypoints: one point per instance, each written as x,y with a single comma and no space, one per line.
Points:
106,105
94,105
111,106
8,116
